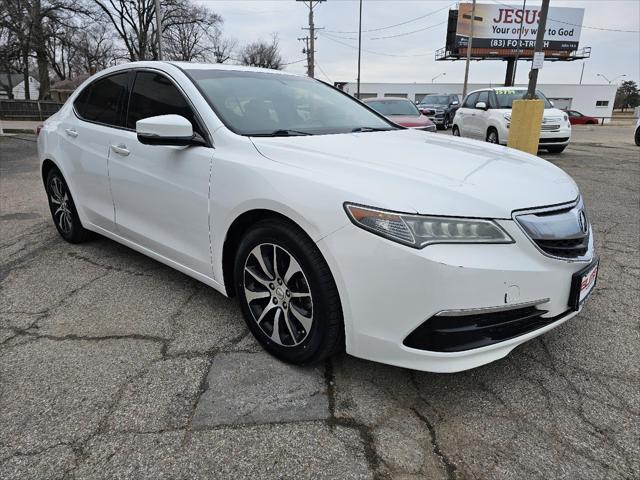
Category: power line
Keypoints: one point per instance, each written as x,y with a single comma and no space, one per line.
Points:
394,25
323,72
409,33
324,35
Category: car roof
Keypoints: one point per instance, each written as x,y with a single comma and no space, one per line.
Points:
488,89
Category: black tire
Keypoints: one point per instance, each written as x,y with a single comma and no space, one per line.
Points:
64,214
326,333
455,131
446,122
559,149
637,136
492,136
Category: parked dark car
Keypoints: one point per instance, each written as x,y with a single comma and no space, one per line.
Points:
577,118
401,111
440,108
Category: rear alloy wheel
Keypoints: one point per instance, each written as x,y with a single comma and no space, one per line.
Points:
63,210
287,294
492,136
455,131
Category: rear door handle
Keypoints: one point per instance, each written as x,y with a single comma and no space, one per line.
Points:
71,132
120,149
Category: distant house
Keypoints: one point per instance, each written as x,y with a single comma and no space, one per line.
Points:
63,89
15,82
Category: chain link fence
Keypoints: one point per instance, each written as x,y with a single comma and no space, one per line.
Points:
27,109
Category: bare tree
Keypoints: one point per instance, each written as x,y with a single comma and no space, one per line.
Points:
192,34
223,49
9,57
134,23
33,23
262,54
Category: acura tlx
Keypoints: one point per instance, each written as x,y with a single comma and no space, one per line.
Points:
335,228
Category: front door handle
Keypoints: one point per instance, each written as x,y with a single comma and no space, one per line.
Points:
120,149
71,132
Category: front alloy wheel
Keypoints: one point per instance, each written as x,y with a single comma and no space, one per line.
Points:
278,295
492,136
288,297
445,123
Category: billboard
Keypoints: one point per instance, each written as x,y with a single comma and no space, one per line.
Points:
498,26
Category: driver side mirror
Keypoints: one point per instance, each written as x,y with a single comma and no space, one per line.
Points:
481,106
169,130
552,104
455,103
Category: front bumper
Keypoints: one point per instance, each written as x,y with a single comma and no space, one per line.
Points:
559,137
388,291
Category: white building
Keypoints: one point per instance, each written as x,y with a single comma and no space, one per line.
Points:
17,84
592,100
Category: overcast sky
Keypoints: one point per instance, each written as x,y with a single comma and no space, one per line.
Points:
410,58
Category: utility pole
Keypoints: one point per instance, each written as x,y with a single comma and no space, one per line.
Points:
158,30
311,39
515,64
469,47
359,48
542,26
582,72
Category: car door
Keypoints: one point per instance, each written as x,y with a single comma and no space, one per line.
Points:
480,118
466,115
85,133
161,193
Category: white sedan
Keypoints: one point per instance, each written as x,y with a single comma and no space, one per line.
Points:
335,228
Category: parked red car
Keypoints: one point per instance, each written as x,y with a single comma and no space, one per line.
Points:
401,111
577,118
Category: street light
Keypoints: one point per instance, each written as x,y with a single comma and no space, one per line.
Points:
437,76
613,79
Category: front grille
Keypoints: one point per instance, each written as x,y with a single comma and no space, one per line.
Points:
443,333
575,247
549,128
562,232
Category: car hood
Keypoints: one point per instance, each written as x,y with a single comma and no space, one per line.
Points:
415,171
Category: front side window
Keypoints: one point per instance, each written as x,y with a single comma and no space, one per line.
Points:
259,103
483,97
153,94
471,100
395,107
100,101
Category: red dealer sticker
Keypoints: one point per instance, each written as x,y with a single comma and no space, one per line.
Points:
582,284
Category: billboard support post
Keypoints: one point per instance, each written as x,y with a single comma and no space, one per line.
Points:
542,26
469,46
512,78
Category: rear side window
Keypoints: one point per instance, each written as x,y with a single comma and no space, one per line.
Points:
100,101
153,94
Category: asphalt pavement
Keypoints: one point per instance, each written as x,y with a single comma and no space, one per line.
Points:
113,365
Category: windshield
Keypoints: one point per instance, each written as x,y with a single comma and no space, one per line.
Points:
507,96
394,107
436,100
269,104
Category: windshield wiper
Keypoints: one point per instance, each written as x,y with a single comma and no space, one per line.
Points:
281,133
370,129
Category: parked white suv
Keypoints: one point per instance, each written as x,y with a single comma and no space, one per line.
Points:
486,115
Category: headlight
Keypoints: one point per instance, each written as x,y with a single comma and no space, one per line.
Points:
418,231
507,117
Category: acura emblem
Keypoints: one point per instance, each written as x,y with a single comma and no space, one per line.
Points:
582,221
